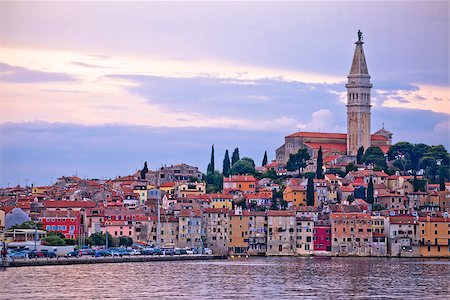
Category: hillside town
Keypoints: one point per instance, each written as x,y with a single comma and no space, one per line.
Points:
267,211
324,194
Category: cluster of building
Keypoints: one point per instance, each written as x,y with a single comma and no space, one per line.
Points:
243,219
170,206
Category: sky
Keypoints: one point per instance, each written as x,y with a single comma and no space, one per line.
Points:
94,89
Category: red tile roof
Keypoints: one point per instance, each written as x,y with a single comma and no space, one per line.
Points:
217,210
280,213
234,178
378,137
168,184
318,135
327,147
69,204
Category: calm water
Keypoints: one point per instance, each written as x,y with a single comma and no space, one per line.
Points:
272,278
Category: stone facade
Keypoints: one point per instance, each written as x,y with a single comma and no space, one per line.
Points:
358,103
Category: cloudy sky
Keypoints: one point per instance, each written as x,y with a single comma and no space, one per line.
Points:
96,89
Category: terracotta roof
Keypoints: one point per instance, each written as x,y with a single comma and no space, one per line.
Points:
239,178
67,204
378,137
318,135
402,219
356,215
168,184
327,146
217,210
280,213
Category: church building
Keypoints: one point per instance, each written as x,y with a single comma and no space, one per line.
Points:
358,121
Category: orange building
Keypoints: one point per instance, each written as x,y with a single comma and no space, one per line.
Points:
239,183
239,232
352,233
434,236
296,195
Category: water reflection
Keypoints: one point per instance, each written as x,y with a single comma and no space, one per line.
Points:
279,278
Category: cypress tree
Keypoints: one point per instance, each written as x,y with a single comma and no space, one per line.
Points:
310,192
264,161
211,167
442,171
415,184
144,170
370,198
360,155
319,171
235,156
226,164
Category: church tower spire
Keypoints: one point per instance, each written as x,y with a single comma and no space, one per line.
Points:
358,101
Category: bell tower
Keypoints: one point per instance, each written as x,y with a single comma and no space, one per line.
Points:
358,101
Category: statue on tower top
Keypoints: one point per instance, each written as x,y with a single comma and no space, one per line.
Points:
360,37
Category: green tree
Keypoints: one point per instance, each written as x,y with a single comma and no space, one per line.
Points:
235,156
419,185
214,182
250,160
125,241
375,156
242,167
28,225
226,164
350,198
439,153
144,170
370,191
350,168
297,161
419,151
99,238
264,161
54,239
360,155
71,242
272,174
429,165
319,170
310,192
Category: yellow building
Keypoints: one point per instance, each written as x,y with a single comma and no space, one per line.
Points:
239,232
168,187
142,195
221,201
2,219
296,196
184,190
39,190
434,236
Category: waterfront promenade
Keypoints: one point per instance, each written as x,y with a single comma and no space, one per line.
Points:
102,260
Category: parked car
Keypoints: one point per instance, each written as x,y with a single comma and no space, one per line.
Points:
47,253
102,252
87,252
76,253
178,251
18,255
134,251
35,254
147,251
157,252
189,251
208,251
